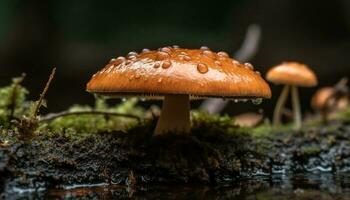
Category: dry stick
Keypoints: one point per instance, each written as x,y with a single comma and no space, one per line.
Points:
42,95
54,116
14,96
27,126
245,53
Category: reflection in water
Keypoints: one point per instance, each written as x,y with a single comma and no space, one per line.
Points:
299,186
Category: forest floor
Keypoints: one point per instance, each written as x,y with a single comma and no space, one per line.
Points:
92,150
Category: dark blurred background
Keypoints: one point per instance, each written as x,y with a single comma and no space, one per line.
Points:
79,37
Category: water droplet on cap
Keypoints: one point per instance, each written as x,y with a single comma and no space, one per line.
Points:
204,48
166,64
166,49
185,57
132,53
159,80
121,58
248,66
258,73
156,65
218,63
176,46
133,58
235,62
145,50
208,53
161,55
202,68
223,54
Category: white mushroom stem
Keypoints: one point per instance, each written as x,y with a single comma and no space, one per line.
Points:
175,116
296,107
280,106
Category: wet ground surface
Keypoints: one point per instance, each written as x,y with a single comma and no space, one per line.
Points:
211,163
315,185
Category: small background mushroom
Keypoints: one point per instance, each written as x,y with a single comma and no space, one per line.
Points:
327,100
292,75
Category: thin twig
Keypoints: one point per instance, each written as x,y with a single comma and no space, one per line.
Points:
42,95
54,116
247,51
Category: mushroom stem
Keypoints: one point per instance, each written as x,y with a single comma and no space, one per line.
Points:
175,116
279,106
296,107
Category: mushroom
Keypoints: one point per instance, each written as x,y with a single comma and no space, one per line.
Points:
329,99
324,101
292,75
322,98
249,119
178,75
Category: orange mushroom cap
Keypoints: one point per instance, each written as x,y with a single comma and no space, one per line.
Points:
320,98
195,72
324,97
292,73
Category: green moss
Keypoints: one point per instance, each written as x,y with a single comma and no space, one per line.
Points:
86,124
344,115
203,122
12,97
311,150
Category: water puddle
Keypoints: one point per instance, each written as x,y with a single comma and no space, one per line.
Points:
277,186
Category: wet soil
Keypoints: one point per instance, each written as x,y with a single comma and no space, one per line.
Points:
136,162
